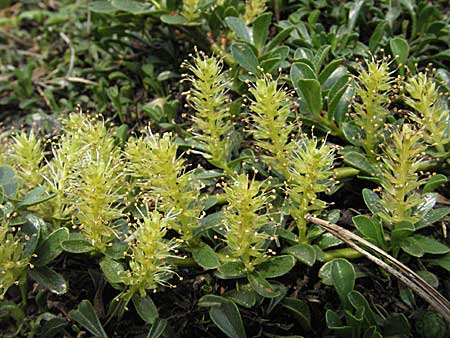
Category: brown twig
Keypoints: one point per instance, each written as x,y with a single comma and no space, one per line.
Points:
401,271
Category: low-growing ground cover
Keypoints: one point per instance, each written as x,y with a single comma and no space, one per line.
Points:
224,168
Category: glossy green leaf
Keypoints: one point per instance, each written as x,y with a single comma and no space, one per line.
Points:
434,182
174,20
352,133
231,270
145,308
359,161
262,286
300,310
396,325
430,245
276,266
85,315
312,94
301,70
372,201
357,300
158,328
77,243
329,70
205,256
443,262
243,296
50,248
305,253
49,279
371,229
399,49
343,277
225,315
104,7
8,181
30,233
280,37
112,270
261,29
376,36
33,197
131,6
238,27
431,217
245,57
412,247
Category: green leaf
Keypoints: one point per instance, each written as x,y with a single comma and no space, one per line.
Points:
301,70
145,308
244,296
399,49
33,197
443,262
261,29
77,243
174,20
112,270
231,270
238,27
320,56
133,7
228,319
30,233
54,326
104,7
205,256
300,310
371,229
376,36
373,202
50,248
359,301
430,245
352,133
8,181
276,266
245,57
49,279
434,182
262,286
158,328
312,94
329,69
431,217
412,247
343,277
85,316
305,253
277,39
359,161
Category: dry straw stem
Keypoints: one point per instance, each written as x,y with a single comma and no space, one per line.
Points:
401,271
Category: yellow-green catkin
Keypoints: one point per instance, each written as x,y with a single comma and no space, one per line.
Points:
148,265
26,157
429,111
270,126
13,263
208,98
160,176
373,86
246,213
401,162
310,174
253,8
